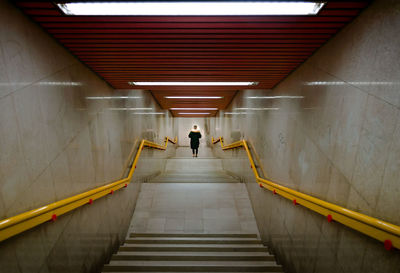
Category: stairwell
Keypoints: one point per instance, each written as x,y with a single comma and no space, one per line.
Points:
194,217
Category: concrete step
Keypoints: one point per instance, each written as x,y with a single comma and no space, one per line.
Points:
194,248
193,164
192,263
199,256
135,266
183,173
197,239
194,235
203,177
170,252
182,253
205,180
172,240
193,173
191,157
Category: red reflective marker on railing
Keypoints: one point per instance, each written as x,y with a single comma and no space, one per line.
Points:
126,185
90,201
388,245
274,191
294,202
53,218
112,192
261,186
329,217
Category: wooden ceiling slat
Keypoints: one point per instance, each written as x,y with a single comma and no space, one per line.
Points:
213,50
43,12
191,55
339,12
117,68
188,60
162,25
195,31
346,5
211,70
192,45
190,41
191,36
191,19
192,65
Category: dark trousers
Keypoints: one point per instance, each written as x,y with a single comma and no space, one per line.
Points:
195,151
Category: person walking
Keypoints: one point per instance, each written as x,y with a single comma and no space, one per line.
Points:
194,136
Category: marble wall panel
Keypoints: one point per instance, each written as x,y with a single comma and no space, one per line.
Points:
339,142
56,141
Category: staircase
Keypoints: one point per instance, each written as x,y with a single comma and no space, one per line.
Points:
148,252
193,217
194,170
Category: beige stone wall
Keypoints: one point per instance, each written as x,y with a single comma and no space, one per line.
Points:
339,143
55,143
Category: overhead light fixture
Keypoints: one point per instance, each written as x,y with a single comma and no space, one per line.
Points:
193,113
194,98
235,113
352,83
192,8
257,109
60,83
277,97
193,109
113,98
129,109
194,83
148,113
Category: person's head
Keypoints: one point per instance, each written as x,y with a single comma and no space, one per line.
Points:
195,127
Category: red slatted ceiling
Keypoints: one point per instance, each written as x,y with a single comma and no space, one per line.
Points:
193,48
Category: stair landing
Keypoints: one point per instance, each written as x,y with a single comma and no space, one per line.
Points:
193,208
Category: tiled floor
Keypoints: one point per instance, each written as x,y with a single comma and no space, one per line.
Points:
193,208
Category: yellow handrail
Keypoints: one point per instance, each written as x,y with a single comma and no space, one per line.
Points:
27,220
378,229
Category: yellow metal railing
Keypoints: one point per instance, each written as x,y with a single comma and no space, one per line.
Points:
383,231
27,220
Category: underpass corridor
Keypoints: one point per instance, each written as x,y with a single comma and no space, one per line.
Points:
294,106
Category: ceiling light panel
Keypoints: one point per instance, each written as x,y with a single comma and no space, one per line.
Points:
191,8
194,109
277,97
193,98
193,113
194,83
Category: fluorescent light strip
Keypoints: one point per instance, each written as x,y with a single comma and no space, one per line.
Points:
193,108
257,109
129,109
277,97
197,98
60,83
194,83
193,113
192,8
112,98
144,113
352,83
